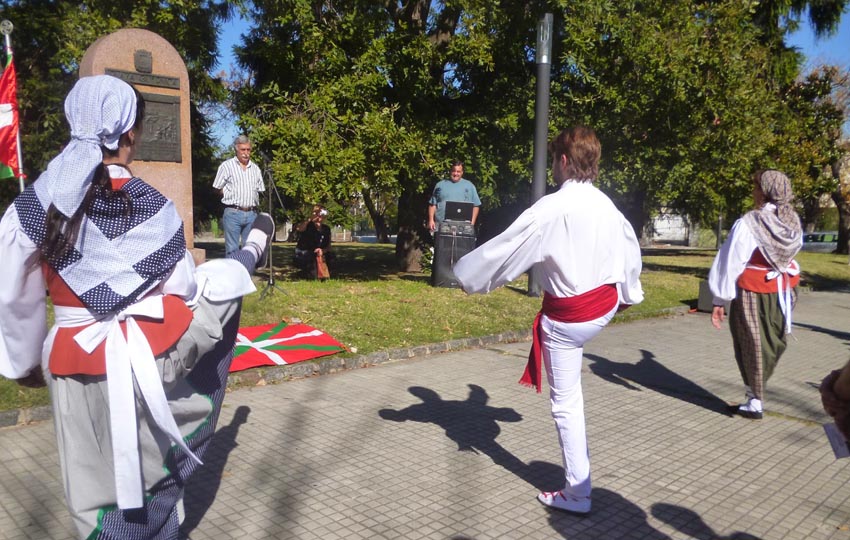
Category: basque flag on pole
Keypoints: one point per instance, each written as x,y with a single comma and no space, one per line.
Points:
8,121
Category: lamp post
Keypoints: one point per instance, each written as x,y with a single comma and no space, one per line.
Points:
543,59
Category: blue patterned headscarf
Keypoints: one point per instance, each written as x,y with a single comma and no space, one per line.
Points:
117,257
99,110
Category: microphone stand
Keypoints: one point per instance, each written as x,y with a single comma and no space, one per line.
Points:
271,188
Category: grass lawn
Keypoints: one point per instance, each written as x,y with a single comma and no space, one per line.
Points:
369,306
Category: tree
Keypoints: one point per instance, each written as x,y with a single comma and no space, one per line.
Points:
808,130
841,165
678,92
841,197
361,98
51,37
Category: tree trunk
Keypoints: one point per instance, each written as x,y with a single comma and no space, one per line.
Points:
412,234
841,196
382,235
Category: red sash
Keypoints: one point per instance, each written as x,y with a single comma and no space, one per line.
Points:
572,309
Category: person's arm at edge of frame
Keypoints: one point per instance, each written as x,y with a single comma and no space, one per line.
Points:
23,305
432,211
835,397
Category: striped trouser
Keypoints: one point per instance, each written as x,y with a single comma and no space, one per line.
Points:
758,336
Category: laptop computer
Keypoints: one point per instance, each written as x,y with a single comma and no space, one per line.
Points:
459,211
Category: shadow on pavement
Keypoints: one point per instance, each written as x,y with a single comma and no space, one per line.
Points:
613,516
837,334
472,425
203,485
690,523
650,373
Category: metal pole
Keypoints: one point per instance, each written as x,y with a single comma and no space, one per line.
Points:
6,28
541,120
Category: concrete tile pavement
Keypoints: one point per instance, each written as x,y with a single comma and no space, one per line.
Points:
450,447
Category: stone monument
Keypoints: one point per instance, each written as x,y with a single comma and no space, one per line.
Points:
164,158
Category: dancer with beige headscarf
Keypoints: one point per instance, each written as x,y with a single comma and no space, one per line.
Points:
755,270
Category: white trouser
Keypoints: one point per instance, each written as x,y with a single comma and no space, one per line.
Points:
562,345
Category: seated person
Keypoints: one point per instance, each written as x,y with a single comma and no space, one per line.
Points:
314,241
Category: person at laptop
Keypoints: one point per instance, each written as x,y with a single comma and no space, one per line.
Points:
456,189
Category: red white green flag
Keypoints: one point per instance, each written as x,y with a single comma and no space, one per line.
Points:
8,121
278,344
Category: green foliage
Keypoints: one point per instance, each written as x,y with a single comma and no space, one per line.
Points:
808,128
677,91
356,98
50,38
359,98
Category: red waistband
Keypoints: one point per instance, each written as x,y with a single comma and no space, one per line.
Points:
573,309
583,307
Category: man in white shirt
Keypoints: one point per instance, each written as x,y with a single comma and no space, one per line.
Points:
239,180
586,257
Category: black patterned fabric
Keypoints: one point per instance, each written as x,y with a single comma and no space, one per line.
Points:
129,252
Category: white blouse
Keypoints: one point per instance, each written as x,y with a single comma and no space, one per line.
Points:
732,259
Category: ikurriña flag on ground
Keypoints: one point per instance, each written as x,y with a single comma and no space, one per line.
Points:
282,343
8,121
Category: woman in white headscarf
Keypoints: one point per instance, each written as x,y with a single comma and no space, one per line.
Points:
141,337
755,270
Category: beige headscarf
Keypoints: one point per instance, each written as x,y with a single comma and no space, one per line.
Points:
776,226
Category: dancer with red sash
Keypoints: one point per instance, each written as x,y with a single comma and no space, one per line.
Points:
586,258
755,270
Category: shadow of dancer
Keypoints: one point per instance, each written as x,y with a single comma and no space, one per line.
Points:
204,483
691,524
650,373
472,425
613,516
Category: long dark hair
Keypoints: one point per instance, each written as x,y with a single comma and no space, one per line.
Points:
60,231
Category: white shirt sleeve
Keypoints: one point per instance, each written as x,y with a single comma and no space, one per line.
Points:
631,291
730,262
23,311
503,258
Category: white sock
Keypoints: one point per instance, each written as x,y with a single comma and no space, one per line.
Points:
752,405
256,241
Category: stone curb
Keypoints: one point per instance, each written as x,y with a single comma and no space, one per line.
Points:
331,364
301,370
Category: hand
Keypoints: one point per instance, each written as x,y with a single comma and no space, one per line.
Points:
431,225
318,252
35,379
718,316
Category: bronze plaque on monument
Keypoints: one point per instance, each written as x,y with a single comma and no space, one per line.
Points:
161,129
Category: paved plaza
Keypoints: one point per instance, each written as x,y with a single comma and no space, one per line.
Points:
449,447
